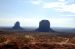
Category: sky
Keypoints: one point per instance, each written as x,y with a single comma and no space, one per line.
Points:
60,13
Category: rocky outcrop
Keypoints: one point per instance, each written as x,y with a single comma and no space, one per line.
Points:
17,25
44,26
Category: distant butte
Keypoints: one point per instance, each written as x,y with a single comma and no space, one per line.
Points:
44,26
17,25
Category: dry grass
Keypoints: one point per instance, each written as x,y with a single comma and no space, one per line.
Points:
31,40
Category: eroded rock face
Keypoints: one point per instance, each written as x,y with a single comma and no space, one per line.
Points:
44,26
17,25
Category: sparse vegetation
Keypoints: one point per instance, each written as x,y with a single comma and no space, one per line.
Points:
2,39
31,40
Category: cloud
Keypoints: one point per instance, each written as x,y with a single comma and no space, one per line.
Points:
60,6
36,2
61,0
67,8
52,5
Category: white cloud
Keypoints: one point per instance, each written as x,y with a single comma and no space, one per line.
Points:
61,6
68,8
36,1
62,22
52,5
61,0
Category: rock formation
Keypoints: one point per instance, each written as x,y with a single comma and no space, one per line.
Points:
44,26
17,25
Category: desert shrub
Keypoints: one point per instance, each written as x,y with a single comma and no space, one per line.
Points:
72,40
25,47
10,46
2,39
23,39
26,40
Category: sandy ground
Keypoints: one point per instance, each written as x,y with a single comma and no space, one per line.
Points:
36,40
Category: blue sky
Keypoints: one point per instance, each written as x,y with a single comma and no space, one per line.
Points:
60,13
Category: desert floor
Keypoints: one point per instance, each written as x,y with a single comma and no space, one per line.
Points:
36,40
